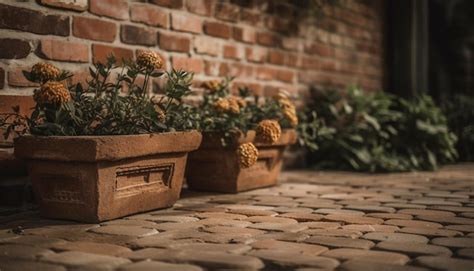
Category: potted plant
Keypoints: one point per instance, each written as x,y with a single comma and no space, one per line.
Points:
244,139
110,149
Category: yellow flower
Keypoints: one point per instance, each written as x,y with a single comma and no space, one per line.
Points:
221,105
291,116
247,154
240,102
268,131
161,113
52,92
234,106
212,85
149,60
44,72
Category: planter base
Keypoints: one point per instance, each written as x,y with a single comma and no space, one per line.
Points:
108,187
214,168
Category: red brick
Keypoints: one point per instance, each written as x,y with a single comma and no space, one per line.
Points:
319,49
37,22
14,48
256,89
2,78
235,69
172,42
150,15
292,44
211,67
231,51
94,29
217,29
251,17
100,53
186,23
79,77
78,5
227,12
206,45
265,73
137,35
268,39
17,79
311,63
201,7
286,76
63,50
176,4
255,54
281,25
195,65
245,34
276,57
117,9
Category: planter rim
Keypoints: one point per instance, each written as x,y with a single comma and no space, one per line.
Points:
104,147
212,139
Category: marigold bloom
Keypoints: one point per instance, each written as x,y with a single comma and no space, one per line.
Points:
234,106
241,102
212,85
247,154
160,113
268,131
149,60
43,72
52,92
221,105
291,116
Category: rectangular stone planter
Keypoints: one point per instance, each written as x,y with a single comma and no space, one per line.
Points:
216,168
97,178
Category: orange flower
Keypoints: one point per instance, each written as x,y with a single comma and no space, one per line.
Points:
247,154
149,60
268,131
52,92
44,72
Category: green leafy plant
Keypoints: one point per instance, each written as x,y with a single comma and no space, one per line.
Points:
231,115
106,106
459,110
380,132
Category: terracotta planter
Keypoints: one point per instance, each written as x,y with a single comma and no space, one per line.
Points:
97,178
216,168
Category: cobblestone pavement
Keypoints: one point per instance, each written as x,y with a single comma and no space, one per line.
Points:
312,221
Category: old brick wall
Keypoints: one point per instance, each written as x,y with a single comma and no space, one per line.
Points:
267,45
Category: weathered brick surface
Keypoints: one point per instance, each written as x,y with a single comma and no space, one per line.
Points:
22,19
312,220
94,29
100,53
63,50
117,9
149,15
14,48
131,34
267,45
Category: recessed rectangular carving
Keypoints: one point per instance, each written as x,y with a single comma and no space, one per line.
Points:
61,188
134,180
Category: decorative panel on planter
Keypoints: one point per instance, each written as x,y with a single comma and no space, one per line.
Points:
214,167
97,178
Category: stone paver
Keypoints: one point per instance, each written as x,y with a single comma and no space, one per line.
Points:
311,221
161,266
367,255
82,259
395,237
445,263
414,248
360,265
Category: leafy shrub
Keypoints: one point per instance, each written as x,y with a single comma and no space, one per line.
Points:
221,111
380,132
459,110
106,106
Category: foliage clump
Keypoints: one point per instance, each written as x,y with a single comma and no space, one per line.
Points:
114,102
381,132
